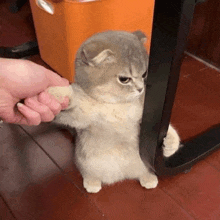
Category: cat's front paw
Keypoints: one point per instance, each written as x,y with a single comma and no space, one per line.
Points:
149,181
91,185
59,92
171,142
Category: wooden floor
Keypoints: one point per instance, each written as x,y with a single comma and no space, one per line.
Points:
39,181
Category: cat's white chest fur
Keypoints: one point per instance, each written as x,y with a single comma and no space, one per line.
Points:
120,113
96,112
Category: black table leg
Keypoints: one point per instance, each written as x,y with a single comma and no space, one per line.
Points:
16,5
171,25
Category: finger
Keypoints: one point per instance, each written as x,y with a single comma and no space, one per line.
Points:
61,94
30,117
50,101
44,111
65,103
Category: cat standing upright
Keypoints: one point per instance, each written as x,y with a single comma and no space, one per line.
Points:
106,104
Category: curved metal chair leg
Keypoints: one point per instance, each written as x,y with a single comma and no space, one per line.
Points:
27,49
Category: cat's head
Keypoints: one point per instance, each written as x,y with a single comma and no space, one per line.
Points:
111,66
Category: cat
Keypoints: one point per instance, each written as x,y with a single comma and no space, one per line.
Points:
106,104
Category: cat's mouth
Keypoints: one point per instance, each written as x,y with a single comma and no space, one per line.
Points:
137,93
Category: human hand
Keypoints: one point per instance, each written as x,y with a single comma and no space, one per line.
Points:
25,80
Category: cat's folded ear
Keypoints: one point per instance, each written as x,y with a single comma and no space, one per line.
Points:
141,36
95,53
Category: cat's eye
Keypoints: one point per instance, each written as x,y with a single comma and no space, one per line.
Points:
144,75
124,79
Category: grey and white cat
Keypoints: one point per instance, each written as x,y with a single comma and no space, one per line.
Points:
106,103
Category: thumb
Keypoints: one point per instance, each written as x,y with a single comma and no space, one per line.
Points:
55,80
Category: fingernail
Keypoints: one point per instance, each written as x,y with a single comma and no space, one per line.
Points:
66,99
19,104
65,102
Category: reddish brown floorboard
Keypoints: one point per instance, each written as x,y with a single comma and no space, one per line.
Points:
5,211
38,178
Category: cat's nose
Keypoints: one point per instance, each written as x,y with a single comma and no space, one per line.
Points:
140,90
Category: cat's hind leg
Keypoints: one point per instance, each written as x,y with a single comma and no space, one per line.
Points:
149,180
91,184
140,171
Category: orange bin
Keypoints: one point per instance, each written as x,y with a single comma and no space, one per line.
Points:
63,25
